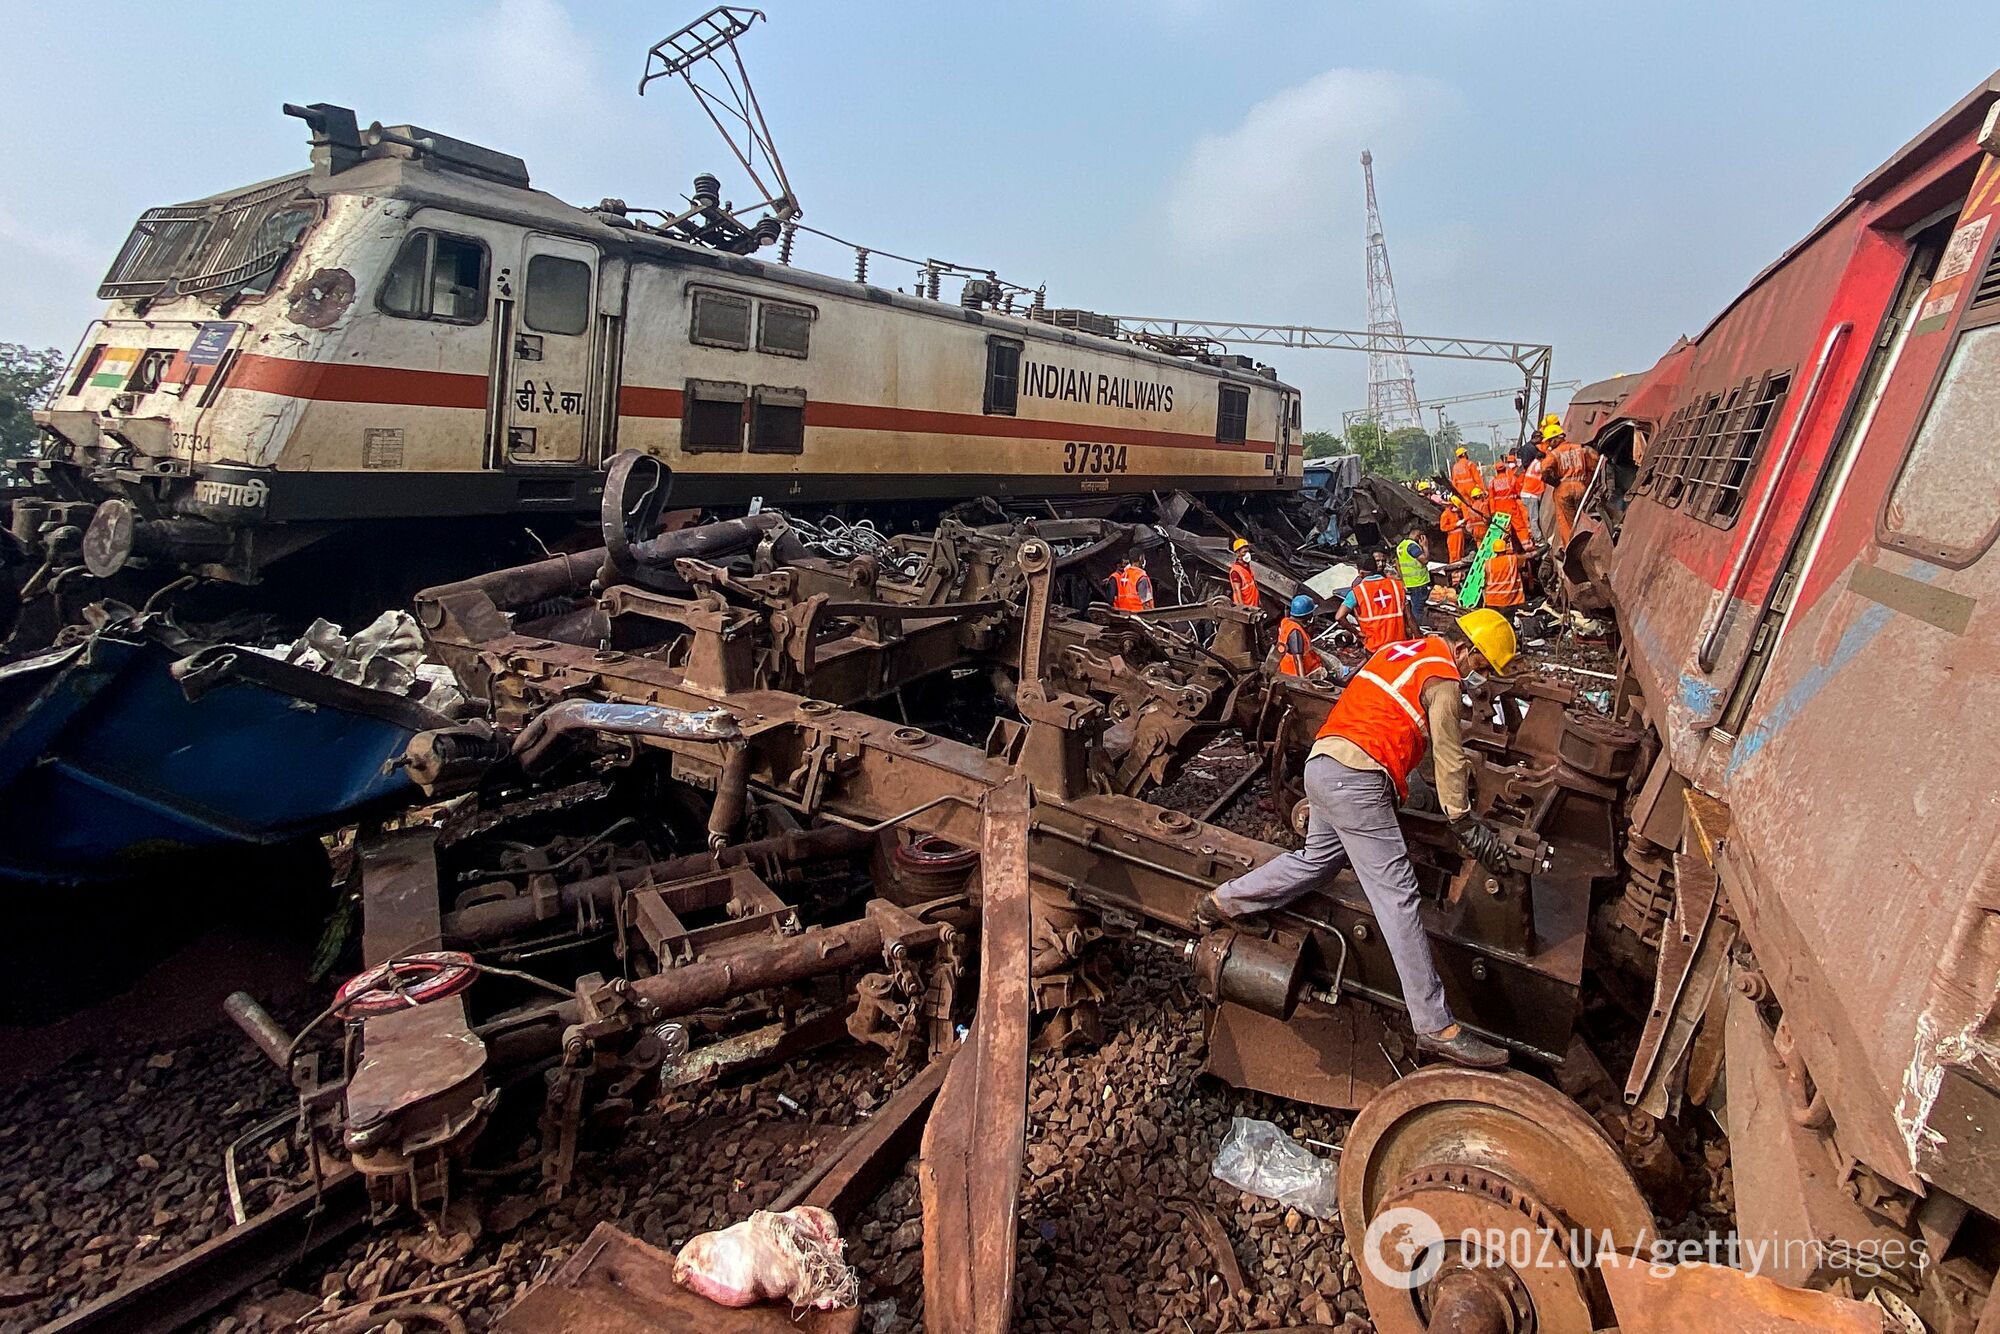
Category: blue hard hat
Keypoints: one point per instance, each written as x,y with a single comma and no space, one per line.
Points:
1303,605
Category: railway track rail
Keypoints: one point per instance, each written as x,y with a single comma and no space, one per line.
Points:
177,1294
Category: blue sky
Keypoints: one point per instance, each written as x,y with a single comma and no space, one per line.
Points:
1600,176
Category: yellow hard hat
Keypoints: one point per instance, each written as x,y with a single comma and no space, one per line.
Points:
1240,544
1491,635
1552,420
1477,494
1460,451
1551,429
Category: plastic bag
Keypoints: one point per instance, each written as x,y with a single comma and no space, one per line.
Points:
796,1255
1259,1157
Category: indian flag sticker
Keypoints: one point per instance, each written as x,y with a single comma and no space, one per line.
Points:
115,367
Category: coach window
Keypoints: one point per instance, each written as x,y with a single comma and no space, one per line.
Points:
777,421
721,319
557,300
784,331
713,420
1232,415
437,276
1003,376
1942,505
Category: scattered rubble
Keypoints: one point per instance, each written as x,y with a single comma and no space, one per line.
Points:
1114,1201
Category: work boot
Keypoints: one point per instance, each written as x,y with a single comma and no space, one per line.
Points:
1463,1048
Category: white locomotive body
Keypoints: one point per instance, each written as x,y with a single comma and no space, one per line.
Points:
409,331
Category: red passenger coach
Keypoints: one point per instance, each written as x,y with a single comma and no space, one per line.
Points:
1807,586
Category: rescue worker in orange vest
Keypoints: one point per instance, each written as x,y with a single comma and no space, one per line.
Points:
1296,655
1569,470
1452,524
1404,697
1532,489
1376,606
1242,579
1478,517
1131,588
1507,496
1505,590
1465,474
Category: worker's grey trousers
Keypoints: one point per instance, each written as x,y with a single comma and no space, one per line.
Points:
1354,823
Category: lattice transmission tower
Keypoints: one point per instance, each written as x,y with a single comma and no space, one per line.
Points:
1392,388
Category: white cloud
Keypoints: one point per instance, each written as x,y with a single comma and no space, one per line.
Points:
1295,156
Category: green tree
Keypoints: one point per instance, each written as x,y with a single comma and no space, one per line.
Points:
1322,444
1367,439
1412,450
27,381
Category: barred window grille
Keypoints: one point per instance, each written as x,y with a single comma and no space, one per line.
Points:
159,245
252,235
1706,451
217,245
1718,475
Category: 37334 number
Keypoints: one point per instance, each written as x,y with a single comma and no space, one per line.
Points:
1097,458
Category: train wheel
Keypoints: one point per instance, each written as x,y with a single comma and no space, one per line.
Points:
1474,1201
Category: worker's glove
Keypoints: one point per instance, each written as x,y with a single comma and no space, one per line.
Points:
1479,841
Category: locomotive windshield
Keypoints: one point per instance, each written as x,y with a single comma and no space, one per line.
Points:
227,245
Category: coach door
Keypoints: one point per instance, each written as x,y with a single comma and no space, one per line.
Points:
1927,249
552,401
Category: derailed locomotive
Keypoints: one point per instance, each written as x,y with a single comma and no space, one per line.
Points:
409,332
1805,577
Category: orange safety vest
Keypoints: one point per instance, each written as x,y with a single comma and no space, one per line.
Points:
1452,518
1380,607
1506,483
1503,580
1531,480
1131,589
1381,709
1296,655
1477,517
1242,584
1465,475
1571,462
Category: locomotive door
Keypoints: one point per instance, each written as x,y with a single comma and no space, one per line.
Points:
550,403
1288,406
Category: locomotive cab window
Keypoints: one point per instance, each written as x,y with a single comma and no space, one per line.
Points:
1003,376
1232,415
777,421
784,330
713,421
557,297
437,276
721,319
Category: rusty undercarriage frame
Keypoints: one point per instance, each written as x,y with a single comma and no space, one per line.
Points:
729,663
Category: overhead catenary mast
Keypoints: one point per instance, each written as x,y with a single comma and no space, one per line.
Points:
1392,387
